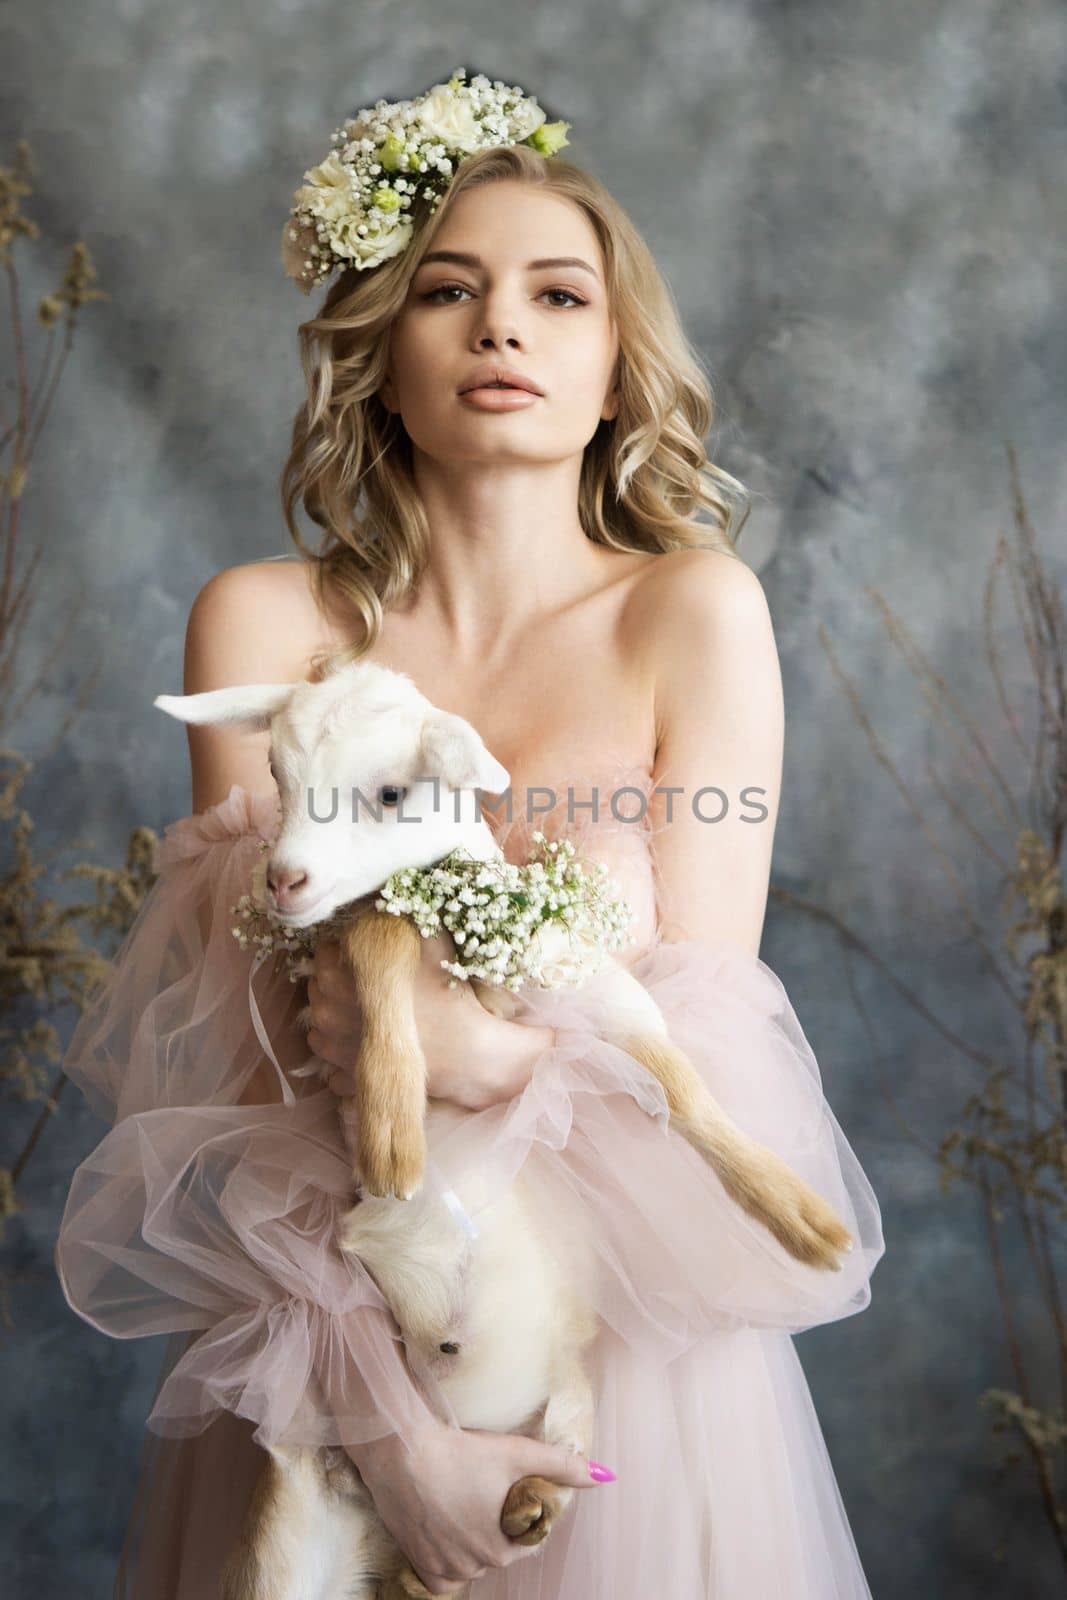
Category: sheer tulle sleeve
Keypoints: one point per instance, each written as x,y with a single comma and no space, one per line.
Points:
212,1204
676,1258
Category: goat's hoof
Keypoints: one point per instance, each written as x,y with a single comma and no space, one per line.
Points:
393,1168
531,1506
800,1219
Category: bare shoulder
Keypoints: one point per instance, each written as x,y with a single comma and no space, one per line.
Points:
251,623
698,580
690,600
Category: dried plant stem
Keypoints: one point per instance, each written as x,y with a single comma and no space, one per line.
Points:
852,939
973,920
44,961
1015,1352
51,1106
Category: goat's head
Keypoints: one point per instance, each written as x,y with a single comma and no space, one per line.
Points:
372,777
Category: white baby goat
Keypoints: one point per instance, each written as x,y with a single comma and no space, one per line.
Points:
365,736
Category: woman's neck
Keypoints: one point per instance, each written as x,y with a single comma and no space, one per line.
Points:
507,549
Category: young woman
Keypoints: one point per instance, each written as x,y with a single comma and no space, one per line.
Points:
555,563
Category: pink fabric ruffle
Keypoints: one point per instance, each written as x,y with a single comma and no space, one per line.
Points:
197,1215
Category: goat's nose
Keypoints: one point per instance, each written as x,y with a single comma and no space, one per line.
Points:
285,882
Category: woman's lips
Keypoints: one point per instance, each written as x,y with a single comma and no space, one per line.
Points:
498,399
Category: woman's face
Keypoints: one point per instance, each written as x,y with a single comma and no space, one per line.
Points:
552,323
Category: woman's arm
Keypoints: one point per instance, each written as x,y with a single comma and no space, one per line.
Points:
719,729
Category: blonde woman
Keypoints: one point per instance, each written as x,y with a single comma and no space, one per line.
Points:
554,560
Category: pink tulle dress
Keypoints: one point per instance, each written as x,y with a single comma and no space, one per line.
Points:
208,1212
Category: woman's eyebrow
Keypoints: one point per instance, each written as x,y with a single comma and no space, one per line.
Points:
462,258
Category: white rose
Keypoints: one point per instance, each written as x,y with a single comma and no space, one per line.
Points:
327,190
561,956
450,118
524,118
385,239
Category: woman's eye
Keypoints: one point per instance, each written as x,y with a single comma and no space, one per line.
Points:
391,794
569,294
444,288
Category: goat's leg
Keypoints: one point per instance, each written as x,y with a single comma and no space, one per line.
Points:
757,1178
311,1532
533,1504
384,1120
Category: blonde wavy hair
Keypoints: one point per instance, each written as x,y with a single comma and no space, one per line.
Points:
646,482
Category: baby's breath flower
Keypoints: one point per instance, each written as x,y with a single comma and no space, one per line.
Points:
552,919
257,927
549,922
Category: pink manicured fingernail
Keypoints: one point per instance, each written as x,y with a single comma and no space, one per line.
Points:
601,1474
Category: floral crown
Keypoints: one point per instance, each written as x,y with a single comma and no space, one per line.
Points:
354,209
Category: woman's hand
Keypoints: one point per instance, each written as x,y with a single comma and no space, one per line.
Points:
442,1503
472,1058
336,1023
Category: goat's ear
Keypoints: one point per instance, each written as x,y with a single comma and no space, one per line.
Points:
251,705
450,749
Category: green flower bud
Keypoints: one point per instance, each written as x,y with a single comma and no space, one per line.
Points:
549,137
385,199
389,152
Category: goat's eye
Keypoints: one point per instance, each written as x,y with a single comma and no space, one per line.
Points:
391,794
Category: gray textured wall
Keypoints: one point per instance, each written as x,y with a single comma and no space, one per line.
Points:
861,210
